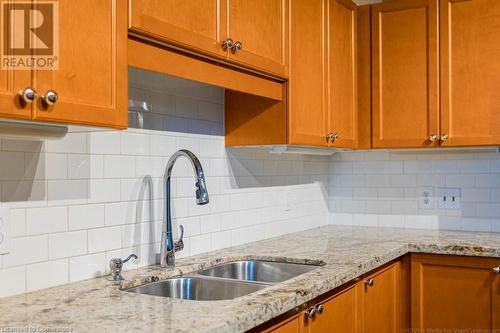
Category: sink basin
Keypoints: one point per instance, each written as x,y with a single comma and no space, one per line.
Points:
198,288
258,271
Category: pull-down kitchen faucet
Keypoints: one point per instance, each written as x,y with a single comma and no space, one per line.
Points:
168,246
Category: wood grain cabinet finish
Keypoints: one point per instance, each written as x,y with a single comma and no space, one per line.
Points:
307,114
385,300
340,314
470,72
11,82
261,28
341,73
455,293
91,81
405,69
322,85
380,306
193,24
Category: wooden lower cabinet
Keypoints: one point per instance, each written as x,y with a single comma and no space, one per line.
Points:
385,300
448,294
377,303
455,293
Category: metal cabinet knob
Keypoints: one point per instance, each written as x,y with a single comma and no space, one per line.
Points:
444,137
433,138
319,308
227,44
496,269
237,46
50,97
27,95
369,282
310,313
332,137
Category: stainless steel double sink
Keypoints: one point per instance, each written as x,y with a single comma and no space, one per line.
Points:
225,281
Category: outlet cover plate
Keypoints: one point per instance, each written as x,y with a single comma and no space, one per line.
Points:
448,198
426,198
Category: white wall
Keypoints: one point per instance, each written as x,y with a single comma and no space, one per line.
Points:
383,188
78,202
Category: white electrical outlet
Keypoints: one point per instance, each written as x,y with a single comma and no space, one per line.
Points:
448,198
4,230
426,198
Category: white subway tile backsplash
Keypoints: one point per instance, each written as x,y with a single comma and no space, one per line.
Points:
67,244
86,216
116,166
392,196
27,250
104,239
104,190
13,281
46,220
104,142
72,143
86,267
47,274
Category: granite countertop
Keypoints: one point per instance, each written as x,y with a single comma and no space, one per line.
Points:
95,305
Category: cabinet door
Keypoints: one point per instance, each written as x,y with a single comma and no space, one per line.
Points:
307,119
383,301
496,298
453,293
13,80
193,24
470,72
340,313
342,105
405,85
91,81
293,325
260,27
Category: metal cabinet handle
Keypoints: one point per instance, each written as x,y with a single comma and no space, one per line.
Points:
227,44
496,269
50,98
433,138
369,282
310,313
27,95
444,137
319,308
237,46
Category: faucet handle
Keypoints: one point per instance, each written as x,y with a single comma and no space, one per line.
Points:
116,266
179,245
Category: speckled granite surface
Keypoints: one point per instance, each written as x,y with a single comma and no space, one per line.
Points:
96,306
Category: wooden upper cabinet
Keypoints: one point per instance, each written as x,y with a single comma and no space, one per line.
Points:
306,109
193,24
341,78
91,81
11,82
454,293
261,28
470,72
405,69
